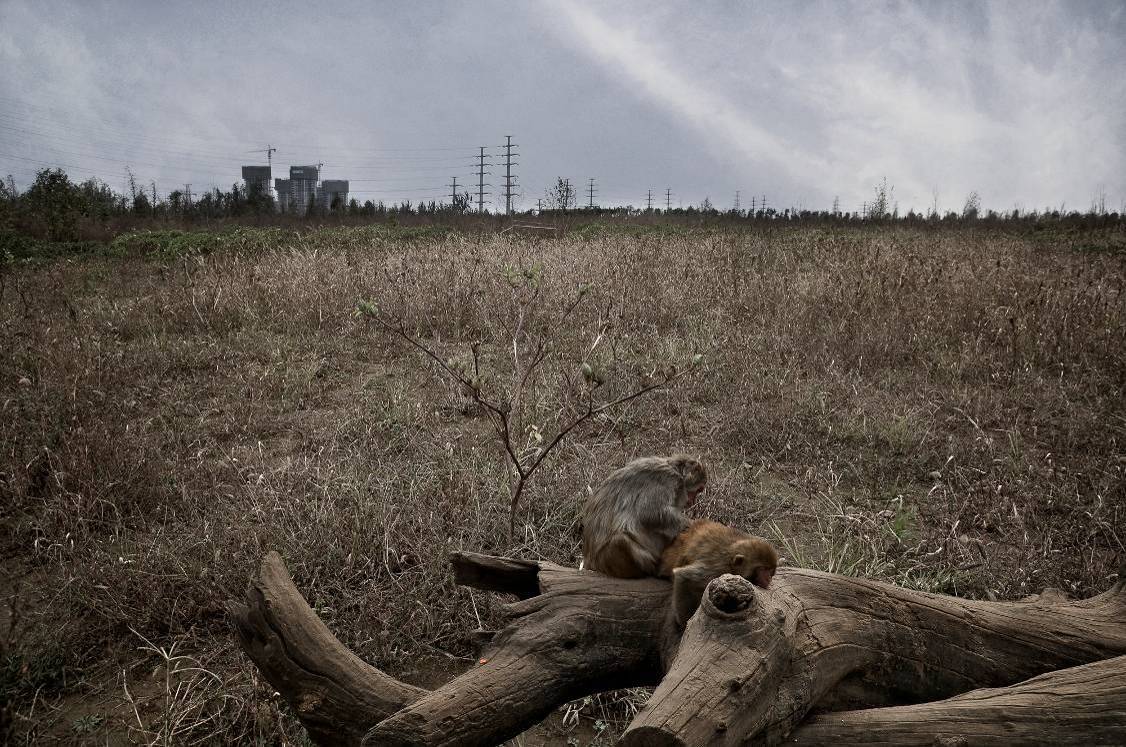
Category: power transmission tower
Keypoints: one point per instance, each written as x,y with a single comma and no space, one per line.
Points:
481,180
188,194
590,189
668,200
508,183
649,201
453,194
736,201
762,205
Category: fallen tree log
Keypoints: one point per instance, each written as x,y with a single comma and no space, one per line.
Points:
336,695
750,665
571,634
580,634
1079,705
754,663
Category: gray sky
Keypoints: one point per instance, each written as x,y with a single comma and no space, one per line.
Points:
801,101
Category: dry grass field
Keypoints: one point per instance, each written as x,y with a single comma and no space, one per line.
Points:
944,408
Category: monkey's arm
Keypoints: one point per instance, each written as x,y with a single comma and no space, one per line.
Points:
688,584
666,520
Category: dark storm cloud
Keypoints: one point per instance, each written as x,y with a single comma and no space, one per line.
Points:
1021,102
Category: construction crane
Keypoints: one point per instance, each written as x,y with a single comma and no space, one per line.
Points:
269,150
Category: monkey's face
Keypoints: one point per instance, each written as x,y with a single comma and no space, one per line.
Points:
759,575
756,561
762,577
691,496
693,476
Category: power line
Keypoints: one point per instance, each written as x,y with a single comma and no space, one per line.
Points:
384,168
438,189
401,175
39,113
133,147
178,169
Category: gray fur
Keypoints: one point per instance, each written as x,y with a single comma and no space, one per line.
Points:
636,512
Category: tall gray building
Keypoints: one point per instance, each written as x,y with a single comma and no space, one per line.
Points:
334,192
256,177
303,187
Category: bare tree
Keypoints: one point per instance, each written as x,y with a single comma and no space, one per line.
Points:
506,406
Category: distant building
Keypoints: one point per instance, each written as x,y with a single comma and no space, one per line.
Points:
334,192
284,189
296,193
256,177
303,187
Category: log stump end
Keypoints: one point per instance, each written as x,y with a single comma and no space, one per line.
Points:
730,595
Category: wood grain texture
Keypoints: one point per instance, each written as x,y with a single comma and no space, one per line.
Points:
1079,705
758,675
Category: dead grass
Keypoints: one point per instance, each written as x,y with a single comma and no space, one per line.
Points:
944,409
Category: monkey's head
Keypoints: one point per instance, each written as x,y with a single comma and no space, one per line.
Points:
693,476
754,559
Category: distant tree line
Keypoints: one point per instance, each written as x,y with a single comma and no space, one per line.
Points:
561,199
56,209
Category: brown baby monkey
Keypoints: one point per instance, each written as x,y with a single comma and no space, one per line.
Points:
636,512
707,550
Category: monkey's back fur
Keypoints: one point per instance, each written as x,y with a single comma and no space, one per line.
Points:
717,546
636,512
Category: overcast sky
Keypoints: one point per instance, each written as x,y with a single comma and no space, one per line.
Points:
801,101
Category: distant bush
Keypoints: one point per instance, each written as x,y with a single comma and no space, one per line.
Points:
166,244
19,246
171,244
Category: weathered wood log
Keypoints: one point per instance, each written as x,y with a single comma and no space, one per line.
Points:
751,664
574,633
336,695
1080,705
752,670
581,633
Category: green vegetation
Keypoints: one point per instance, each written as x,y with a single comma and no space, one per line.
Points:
57,217
939,405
